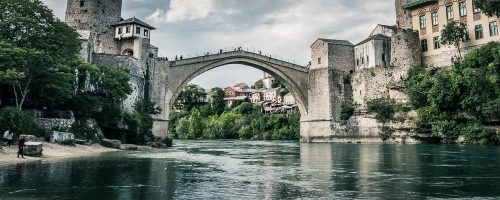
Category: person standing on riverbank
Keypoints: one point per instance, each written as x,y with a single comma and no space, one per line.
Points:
9,138
21,147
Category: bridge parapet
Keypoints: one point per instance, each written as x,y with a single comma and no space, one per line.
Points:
231,54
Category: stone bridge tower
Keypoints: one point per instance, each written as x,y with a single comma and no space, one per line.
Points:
96,16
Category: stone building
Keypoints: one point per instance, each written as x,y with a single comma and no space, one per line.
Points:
288,99
428,18
109,40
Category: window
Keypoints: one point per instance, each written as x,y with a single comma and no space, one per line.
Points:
422,21
424,45
434,18
463,9
476,9
362,60
436,42
449,12
383,57
146,32
466,35
127,29
479,32
120,30
82,3
319,60
138,30
493,29
357,62
367,59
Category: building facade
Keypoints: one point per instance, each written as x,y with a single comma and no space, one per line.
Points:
430,16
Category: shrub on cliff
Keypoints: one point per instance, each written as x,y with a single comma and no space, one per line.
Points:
18,122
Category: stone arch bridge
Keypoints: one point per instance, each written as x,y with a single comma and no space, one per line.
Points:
318,89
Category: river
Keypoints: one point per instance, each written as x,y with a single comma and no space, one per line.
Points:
234,169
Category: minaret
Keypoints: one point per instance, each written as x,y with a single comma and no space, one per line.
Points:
403,17
96,16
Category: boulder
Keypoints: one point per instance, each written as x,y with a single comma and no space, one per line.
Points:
128,147
115,144
29,138
58,137
33,148
81,142
144,148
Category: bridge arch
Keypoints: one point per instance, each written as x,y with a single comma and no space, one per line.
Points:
294,77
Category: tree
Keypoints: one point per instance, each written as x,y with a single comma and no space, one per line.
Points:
115,83
489,7
218,105
258,85
191,96
47,46
195,125
276,84
455,33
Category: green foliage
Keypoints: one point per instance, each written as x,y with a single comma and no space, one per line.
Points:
386,133
346,111
458,102
115,83
372,73
258,85
244,121
195,125
70,143
83,130
284,92
182,128
18,122
276,84
191,95
489,7
39,49
218,105
454,33
385,108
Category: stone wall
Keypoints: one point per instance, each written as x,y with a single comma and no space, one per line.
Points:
406,50
136,75
445,59
403,18
96,16
340,57
53,123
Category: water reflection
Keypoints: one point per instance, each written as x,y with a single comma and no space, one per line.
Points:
231,169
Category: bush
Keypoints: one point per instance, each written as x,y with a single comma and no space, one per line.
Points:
385,108
18,122
386,133
346,111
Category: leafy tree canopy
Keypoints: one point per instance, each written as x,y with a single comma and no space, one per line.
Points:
489,7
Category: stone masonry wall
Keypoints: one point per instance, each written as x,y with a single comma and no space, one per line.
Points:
136,75
406,50
403,18
96,16
445,58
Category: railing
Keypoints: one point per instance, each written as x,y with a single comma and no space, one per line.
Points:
231,49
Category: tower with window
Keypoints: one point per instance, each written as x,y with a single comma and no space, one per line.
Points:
96,16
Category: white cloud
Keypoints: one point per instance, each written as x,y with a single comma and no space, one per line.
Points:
180,10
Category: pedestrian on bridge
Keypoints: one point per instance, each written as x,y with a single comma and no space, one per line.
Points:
181,57
176,59
220,50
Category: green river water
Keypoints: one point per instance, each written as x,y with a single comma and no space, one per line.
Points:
235,169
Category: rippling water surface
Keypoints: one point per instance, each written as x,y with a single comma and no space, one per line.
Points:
233,169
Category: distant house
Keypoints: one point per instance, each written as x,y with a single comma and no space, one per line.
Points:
268,81
209,95
288,99
229,92
256,97
240,87
272,94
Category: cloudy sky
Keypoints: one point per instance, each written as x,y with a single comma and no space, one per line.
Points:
285,28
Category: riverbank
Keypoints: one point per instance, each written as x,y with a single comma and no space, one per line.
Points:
51,152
